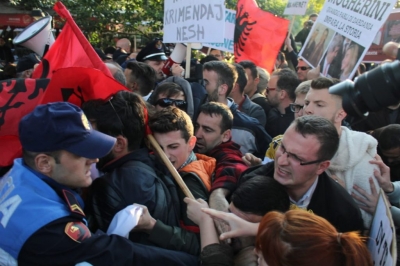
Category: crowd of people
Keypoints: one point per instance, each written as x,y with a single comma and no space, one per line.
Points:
279,173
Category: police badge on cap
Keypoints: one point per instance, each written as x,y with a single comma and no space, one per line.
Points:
154,51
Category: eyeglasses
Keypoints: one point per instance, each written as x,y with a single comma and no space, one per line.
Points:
295,108
165,102
294,157
270,89
302,68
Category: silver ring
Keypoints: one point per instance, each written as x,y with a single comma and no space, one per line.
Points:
337,180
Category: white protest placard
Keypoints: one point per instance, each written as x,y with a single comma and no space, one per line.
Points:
342,35
296,7
194,21
227,45
382,242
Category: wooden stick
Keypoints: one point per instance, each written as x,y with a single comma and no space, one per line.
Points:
170,167
291,24
188,57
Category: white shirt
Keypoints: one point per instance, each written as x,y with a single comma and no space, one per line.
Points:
305,200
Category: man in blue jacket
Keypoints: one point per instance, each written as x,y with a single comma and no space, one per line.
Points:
41,217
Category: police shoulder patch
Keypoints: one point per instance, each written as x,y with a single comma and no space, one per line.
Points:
77,231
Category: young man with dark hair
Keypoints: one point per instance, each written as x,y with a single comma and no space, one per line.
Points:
174,91
140,78
219,78
350,166
252,77
42,218
258,196
132,175
213,132
280,94
245,104
173,130
301,159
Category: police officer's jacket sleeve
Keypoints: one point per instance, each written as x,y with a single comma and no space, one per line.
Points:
68,241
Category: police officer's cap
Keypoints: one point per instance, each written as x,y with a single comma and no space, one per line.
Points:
154,51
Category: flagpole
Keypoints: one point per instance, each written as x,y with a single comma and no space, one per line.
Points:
188,57
290,29
291,24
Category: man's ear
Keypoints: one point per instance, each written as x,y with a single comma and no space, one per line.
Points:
257,80
227,135
135,87
44,164
192,142
341,115
283,94
323,166
223,89
121,146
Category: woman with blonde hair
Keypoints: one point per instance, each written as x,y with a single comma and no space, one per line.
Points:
349,61
301,238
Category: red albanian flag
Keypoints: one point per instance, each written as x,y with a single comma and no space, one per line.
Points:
78,85
259,34
18,97
70,49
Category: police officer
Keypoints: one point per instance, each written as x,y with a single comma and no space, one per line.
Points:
154,55
41,217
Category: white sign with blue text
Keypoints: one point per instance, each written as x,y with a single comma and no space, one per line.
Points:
227,45
194,21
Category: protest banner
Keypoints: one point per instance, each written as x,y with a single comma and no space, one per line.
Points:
194,21
390,31
348,28
296,7
382,241
259,34
227,45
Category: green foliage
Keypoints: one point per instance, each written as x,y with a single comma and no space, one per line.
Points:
277,7
101,20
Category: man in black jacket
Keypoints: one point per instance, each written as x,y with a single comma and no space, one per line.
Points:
301,159
131,174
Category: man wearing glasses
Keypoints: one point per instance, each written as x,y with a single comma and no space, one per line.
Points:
302,69
301,159
280,94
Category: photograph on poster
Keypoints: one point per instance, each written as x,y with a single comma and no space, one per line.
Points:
350,58
392,31
331,62
341,57
318,43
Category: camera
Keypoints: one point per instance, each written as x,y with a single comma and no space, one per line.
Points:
370,92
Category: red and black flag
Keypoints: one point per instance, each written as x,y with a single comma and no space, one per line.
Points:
259,34
18,97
